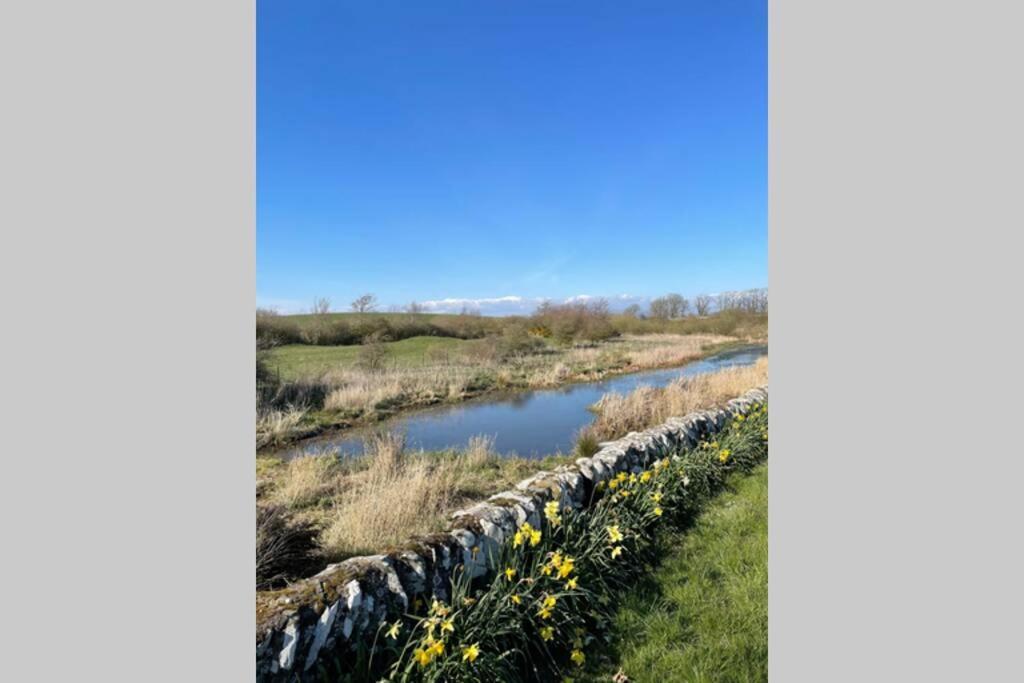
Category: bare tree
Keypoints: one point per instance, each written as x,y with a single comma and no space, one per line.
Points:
669,306
725,301
660,308
703,304
321,306
633,311
677,305
365,303
414,307
373,354
761,302
469,310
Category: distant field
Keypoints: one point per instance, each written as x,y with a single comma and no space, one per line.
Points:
298,360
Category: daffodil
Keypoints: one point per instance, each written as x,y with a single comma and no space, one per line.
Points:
567,566
658,512
547,633
578,657
510,573
517,539
551,513
395,629
516,600
544,614
550,602
437,648
724,454
571,584
535,537
614,535
616,551
423,657
656,496
470,653
646,476
447,626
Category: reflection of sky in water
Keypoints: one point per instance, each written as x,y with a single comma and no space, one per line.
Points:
533,423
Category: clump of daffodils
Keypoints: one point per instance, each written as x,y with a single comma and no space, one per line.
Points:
535,602
526,534
551,513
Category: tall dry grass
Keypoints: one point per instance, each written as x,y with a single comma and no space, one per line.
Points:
277,426
401,494
307,480
619,414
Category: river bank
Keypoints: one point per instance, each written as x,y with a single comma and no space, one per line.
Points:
429,372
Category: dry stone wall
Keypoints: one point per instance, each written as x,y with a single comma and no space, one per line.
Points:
328,616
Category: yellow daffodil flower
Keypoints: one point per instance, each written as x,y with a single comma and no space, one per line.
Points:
470,653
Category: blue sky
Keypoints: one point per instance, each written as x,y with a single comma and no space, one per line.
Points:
477,150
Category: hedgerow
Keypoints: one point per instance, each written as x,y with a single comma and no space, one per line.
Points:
556,586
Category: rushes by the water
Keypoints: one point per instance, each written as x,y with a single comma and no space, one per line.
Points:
618,414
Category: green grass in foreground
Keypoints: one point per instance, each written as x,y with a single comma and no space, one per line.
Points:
703,615
295,360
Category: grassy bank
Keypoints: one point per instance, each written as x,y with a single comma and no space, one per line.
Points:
306,389
553,609
703,615
357,505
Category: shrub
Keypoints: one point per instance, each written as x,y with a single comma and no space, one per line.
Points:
587,443
274,330
285,548
580,321
374,355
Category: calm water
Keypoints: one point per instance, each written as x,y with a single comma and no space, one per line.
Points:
530,423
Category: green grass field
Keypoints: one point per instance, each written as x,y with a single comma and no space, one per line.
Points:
703,616
295,360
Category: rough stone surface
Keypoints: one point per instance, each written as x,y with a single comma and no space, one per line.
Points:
343,606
